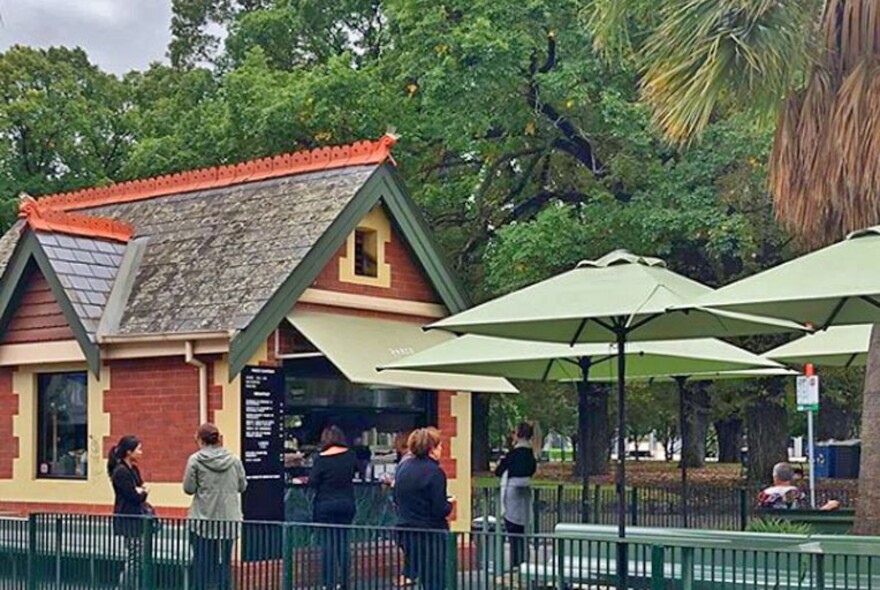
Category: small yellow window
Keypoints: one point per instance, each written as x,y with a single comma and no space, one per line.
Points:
366,252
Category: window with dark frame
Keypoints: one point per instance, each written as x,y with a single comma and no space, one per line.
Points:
62,425
366,252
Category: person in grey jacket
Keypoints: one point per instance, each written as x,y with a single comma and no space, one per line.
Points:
215,478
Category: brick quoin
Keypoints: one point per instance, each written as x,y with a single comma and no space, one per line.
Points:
38,317
156,399
8,410
448,425
408,280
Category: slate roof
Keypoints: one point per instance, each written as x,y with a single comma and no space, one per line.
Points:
215,257
86,268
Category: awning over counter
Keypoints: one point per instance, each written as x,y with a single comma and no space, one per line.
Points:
357,345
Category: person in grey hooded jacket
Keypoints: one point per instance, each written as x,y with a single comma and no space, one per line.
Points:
215,478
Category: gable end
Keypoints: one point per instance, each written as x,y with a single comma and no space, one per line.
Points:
383,185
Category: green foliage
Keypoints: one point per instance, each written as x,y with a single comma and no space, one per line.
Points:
64,124
779,526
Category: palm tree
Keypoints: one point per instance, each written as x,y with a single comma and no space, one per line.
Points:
812,64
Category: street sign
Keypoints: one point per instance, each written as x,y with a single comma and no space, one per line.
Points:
808,393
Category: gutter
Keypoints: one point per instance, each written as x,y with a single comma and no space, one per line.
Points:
190,359
165,337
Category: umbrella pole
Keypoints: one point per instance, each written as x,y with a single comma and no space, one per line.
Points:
682,417
622,550
583,394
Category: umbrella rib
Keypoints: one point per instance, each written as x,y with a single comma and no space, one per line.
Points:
870,300
835,312
547,370
850,361
642,322
579,331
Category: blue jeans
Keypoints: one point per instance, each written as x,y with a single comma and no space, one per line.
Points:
212,563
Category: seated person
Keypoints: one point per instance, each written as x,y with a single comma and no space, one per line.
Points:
784,495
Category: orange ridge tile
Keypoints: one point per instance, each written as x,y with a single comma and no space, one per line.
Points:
357,154
40,218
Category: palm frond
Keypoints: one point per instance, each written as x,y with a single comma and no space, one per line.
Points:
706,52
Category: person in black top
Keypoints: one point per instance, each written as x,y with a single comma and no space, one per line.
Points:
331,479
129,506
422,504
516,469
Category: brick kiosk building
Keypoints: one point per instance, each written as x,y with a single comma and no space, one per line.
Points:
135,308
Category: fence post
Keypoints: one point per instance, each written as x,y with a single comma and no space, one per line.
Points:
658,570
58,549
287,547
634,506
148,525
559,489
820,571
536,509
452,562
32,552
560,562
597,497
743,509
687,568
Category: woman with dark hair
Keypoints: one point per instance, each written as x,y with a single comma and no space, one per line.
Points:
129,506
331,479
516,469
423,505
215,479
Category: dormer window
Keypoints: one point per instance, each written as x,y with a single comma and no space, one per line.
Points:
366,252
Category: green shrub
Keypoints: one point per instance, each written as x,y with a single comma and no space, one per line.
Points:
780,525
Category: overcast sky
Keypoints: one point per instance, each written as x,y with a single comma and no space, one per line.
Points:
118,35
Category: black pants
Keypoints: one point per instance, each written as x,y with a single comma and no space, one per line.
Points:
212,563
335,556
517,542
424,554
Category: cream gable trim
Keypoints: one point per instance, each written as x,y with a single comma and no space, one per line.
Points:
377,221
370,303
62,351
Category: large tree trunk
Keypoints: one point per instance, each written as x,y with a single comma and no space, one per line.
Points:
868,505
767,431
835,421
480,436
696,409
593,428
730,431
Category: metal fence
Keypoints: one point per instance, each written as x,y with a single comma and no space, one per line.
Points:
709,507
73,552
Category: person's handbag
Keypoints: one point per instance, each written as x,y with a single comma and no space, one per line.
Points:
149,512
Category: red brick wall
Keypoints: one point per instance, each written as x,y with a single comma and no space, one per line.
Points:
408,280
38,317
157,400
8,409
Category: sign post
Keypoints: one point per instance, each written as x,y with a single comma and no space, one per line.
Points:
808,401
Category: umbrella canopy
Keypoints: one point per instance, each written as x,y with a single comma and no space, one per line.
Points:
619,293
839,346
546,361
827,287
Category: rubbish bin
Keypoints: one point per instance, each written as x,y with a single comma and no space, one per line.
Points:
824,460
846,456
483,531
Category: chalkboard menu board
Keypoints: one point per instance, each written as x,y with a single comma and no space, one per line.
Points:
262,442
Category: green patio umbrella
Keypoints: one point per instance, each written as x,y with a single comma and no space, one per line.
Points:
831,286
839,346
619,298
700,358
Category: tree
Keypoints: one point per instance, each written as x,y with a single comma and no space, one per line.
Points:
815,65
64,124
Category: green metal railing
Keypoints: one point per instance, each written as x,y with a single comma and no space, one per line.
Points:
76,552
709,507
